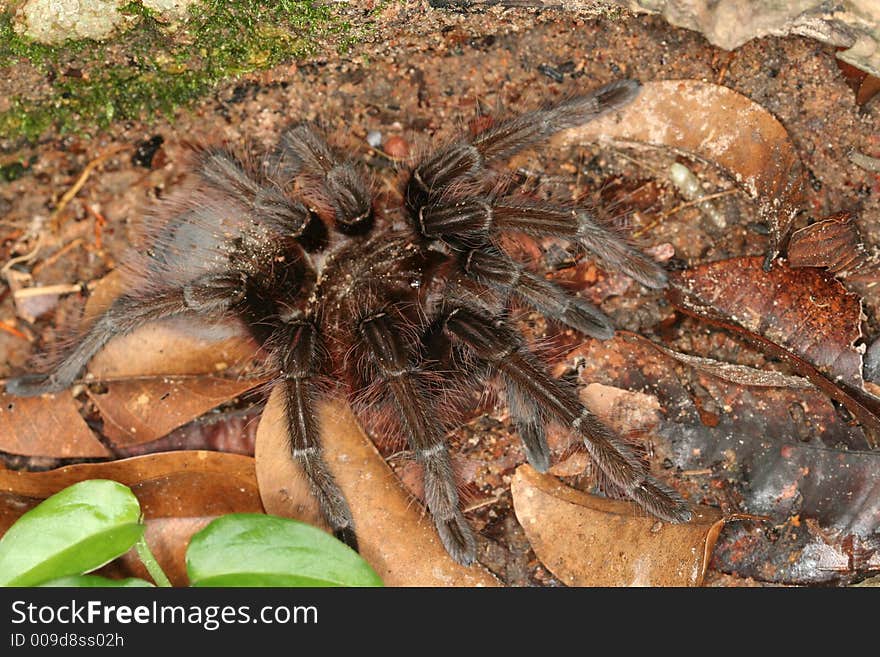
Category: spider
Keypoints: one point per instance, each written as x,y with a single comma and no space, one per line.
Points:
398,309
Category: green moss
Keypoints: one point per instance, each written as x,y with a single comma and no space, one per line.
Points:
152,70
14,47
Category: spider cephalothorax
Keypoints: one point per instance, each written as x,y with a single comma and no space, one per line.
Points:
393,306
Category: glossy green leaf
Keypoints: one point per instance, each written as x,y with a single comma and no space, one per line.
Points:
73,532
96,581
246,549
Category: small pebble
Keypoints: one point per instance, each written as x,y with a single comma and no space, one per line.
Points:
145,151
374,138
397,147
550,72
872,362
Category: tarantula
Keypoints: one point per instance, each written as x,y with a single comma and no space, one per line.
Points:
401,309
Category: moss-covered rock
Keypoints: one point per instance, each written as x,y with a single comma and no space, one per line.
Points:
142,58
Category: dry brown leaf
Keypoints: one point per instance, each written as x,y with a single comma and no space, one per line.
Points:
172,347
169,484
718,125
140,411
395,534
626,411
49,425
587,540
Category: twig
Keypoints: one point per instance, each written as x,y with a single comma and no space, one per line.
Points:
679,208
26,257
387,156
865,162
481,504
100,222
61,288
696,473
4,326
52,259
78,185
722,73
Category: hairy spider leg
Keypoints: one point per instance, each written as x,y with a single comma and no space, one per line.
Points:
529,419
476,220
212,294
299,357
499,345
490,266
394,363
464,159
304,152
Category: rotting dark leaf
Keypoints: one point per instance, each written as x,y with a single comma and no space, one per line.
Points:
803,316
717,125
46,426
778,452
586,540
395,536
833,243
182,490
796,551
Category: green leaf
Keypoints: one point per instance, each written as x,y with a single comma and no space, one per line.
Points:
73,532
90,581
248,549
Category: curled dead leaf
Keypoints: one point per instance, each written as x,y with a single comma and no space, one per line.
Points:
833,243
714,124
395,534
587,540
